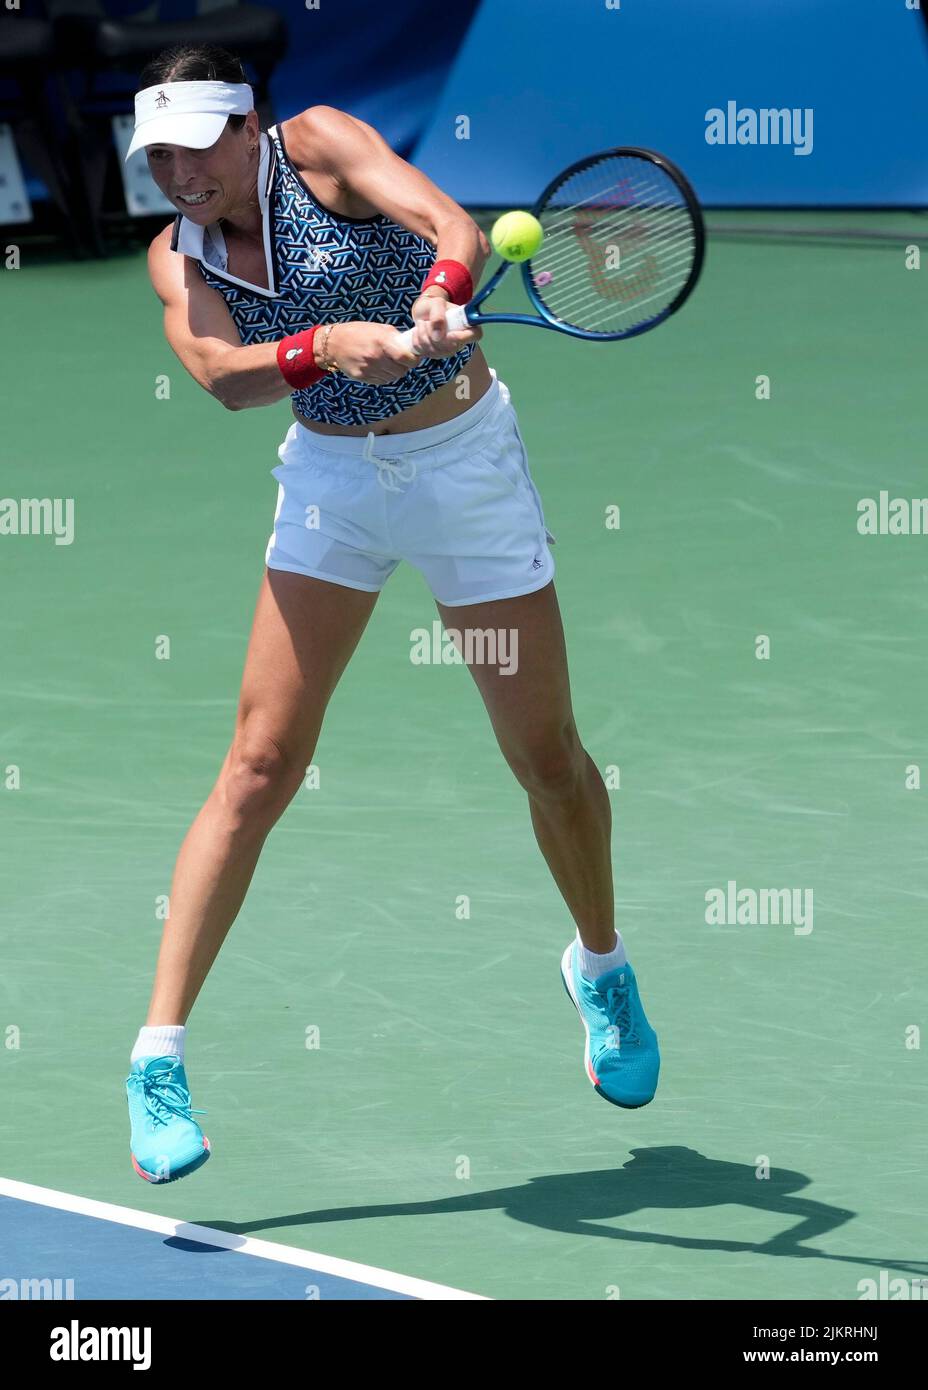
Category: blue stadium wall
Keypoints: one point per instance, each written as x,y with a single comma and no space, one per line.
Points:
541,82
385,61
545,81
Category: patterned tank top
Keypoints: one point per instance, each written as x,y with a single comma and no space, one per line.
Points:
323,268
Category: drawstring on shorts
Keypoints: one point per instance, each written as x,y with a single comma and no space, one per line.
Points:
389,470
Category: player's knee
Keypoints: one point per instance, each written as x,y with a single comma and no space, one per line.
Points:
551,768
260,777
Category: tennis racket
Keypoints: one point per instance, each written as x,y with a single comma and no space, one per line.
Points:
622,251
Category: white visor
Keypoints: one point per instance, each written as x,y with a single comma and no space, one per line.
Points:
192,114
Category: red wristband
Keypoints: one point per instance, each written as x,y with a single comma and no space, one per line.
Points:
452,277
296,360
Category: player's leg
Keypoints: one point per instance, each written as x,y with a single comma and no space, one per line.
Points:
304,632
302,638
532,716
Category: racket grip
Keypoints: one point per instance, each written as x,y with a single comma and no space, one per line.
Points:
455,318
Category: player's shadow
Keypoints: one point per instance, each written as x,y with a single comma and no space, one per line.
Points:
668,1177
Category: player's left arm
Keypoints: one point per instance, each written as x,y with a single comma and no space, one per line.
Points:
361,162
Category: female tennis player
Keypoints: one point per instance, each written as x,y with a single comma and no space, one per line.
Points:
297,257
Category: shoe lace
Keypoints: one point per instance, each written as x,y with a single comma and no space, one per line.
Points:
165,1098
619,1011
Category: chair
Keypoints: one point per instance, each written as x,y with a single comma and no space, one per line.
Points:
27,47
104,56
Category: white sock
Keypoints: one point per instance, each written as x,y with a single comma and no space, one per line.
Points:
593,965
165,1040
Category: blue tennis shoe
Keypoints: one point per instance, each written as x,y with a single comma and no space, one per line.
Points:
620,1056
166,1143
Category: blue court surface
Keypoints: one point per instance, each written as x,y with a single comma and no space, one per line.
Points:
56,1245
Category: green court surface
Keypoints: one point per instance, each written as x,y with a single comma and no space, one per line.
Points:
444,1126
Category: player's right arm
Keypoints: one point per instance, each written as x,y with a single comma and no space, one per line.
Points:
202,332
200,329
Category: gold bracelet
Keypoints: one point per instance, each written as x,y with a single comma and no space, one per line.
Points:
326,364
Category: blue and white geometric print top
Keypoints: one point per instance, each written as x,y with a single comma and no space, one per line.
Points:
323,268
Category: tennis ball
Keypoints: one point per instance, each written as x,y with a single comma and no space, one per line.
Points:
516,235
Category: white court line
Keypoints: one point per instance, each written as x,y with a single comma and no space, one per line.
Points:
226,1240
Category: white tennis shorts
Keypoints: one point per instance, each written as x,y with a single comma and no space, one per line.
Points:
456,500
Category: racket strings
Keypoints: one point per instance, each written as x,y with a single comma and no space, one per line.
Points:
573,276
600,275
619,245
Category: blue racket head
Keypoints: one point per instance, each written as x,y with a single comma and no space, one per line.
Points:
623,249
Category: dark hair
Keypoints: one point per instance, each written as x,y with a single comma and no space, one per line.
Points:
194,62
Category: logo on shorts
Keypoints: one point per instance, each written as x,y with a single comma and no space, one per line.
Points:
536,563
162,100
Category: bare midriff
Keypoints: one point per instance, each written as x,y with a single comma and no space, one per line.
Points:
443,404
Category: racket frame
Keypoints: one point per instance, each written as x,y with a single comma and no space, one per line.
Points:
545,318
